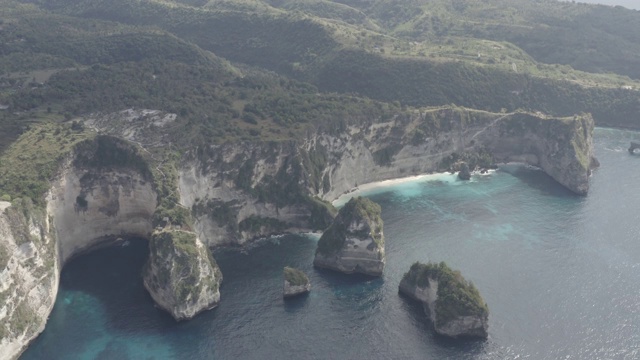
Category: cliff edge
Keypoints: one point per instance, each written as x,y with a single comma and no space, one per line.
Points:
98,182
561,147
29,270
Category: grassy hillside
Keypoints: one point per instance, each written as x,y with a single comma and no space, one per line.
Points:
63,58
415,52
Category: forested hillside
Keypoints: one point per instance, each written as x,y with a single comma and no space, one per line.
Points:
270,69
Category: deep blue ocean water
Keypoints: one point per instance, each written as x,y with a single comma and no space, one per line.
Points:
560,273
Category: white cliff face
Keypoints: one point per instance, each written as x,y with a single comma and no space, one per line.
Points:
181,275
428,295
293,290
355,164
562,148
356,256
220,187
90,206
244,190
84,208
464,326
231,183
29,270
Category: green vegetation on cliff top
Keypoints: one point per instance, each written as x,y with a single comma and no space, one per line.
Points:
456,296
357,209
61,59
28,166
414,52
362,208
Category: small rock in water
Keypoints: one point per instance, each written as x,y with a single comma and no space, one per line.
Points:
296,282
464,173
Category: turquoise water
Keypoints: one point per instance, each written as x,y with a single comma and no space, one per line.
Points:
560,273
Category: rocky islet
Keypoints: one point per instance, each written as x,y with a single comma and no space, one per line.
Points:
354,243
453,304
296,282
181,275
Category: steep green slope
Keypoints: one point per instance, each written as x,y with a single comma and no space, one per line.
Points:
102,66
422,83
54,67
381,50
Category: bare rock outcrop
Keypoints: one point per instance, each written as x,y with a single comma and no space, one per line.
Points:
29,269
181,275
561,147
464,173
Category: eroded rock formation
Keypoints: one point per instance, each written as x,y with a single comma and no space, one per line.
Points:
354,243
236,192
454,305
181,275
464,173
562,148
29,268
295,282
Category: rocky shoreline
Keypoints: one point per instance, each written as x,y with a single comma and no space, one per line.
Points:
234,192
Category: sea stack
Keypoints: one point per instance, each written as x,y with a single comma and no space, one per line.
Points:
295,282
453,304
464,173
354,243
181,275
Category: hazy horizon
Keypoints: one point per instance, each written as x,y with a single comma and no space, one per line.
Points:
631,4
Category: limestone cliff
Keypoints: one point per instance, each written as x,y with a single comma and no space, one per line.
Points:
562,148
354,243
181,275
91,206
454,305
242,190
235,192
99,194
29,271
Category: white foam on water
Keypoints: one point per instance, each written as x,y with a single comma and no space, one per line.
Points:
408,186
312,235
